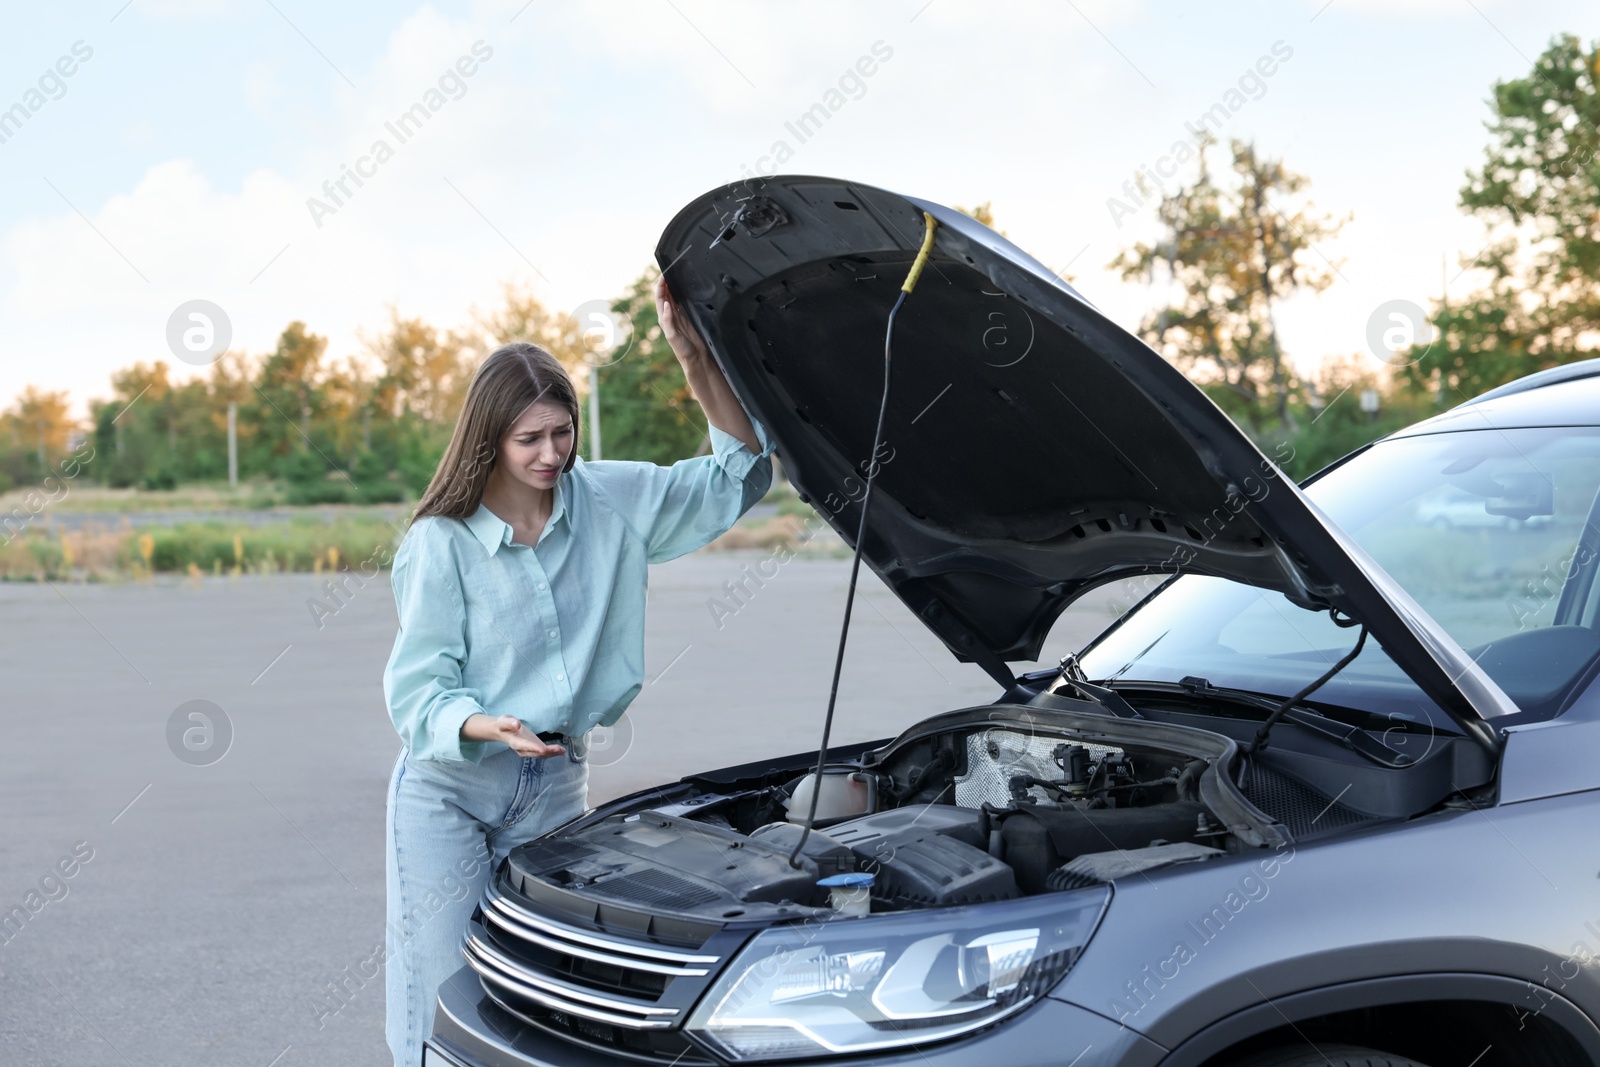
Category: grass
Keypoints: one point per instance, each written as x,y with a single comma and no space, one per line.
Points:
85,498
101,553
359,538
255,495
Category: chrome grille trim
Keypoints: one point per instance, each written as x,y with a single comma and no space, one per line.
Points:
497,912
493,967
636,953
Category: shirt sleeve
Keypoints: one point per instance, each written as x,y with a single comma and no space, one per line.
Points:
422,683
688,505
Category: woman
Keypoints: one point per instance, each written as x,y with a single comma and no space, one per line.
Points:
521,592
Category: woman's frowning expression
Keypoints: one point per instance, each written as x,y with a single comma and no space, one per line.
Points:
537,446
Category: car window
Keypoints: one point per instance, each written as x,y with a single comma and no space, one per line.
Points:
1493,532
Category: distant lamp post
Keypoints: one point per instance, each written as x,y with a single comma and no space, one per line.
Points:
594,412
233,445
1369,404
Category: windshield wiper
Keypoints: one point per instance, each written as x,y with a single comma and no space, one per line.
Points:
1351,736
1260,741
1073,682
1124,668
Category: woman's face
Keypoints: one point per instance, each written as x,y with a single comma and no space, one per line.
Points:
536,449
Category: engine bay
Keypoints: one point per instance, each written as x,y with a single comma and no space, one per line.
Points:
975,806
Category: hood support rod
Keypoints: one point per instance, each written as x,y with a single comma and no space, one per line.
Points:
861,531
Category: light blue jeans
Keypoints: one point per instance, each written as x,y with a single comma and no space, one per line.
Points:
449,826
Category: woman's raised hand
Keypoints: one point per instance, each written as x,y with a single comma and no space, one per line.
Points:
509,730
705,378
679,332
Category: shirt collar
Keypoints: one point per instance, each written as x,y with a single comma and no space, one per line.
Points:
490,530
493,531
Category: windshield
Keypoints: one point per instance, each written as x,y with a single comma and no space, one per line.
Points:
1493,532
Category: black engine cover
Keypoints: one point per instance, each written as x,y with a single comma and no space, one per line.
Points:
1038,839
934,869
666,864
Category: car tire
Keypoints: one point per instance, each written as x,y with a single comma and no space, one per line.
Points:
1326,1056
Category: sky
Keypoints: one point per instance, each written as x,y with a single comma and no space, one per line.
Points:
195,149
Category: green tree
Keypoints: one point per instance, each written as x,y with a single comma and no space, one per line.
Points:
154,433
1234,249
1334,422
287,405
646,409
1538,193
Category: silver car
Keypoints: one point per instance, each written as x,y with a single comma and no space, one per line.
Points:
1319,798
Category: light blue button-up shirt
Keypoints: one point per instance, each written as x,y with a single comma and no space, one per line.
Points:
554,633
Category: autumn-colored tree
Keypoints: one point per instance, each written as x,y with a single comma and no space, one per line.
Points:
1234,249
410,402
38,429
422,372
983,213
523,317
646,411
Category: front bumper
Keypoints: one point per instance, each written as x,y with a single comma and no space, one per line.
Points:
470,1030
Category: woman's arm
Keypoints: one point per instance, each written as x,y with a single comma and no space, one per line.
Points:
422,684
436,715
706,381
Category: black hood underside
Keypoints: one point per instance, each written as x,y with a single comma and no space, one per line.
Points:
1032,448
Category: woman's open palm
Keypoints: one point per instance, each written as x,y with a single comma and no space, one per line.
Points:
511,730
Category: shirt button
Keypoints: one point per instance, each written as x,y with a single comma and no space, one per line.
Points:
561,677
541,587
552,633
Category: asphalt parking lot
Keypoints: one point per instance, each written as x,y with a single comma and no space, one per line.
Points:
210,904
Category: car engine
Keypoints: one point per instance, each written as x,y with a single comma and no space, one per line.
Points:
974,806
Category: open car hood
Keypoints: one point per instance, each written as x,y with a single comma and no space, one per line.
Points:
1032,448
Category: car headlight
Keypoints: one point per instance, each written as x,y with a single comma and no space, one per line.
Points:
851,985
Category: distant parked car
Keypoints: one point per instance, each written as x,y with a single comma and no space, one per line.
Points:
1325,797
1456,509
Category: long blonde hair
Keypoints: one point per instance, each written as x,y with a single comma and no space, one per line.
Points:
511,379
